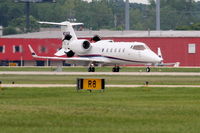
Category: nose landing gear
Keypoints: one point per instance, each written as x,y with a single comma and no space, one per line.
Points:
148,69
91,68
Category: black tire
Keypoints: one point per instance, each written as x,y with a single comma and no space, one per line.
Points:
89,69
117,69
114,69
148,69
92,69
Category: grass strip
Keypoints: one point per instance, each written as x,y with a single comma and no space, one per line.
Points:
64,110
115,79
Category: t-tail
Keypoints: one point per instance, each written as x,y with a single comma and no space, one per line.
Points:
68,35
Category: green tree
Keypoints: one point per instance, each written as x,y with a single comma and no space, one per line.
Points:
9,30
9,10
19,23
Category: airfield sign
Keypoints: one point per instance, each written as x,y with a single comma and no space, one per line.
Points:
91,84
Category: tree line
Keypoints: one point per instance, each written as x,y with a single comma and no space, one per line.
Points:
102,14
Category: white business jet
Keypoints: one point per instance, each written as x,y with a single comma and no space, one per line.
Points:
104,52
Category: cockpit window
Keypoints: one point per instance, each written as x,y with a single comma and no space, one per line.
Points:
138,47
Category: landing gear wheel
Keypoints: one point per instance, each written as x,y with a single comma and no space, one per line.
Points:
91,69
116,69
113,70
148,69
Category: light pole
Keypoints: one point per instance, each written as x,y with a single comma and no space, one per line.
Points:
157,14
127,21
27,9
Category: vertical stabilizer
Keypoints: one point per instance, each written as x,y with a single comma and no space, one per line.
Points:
68,35
66,28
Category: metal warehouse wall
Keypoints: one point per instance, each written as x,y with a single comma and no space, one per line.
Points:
51,46
174,49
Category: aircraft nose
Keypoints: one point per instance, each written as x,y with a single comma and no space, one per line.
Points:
156,58
159,59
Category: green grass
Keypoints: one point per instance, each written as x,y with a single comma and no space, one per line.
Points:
117,110
116,79
101,69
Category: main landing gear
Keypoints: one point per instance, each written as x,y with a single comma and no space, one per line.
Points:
91,68
116,68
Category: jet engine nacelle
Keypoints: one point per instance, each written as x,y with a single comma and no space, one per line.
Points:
80,46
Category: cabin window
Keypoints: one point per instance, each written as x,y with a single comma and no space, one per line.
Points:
2,49
138,47
111,50
107,50
115,50
119,50
102,49
123,50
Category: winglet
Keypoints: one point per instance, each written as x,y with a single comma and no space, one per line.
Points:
32,51
159,53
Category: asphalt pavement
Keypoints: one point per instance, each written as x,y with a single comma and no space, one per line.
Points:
99,73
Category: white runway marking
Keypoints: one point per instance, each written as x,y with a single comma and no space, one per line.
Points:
101,73
74,85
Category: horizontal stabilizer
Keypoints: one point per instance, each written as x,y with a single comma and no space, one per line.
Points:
65,23
61,52
66,27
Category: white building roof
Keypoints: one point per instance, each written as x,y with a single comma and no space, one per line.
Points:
108,33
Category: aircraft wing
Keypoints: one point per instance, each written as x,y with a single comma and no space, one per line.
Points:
86,59
176,64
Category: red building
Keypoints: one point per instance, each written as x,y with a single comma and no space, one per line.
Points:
185,50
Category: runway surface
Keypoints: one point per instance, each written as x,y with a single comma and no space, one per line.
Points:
99,73
73,85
